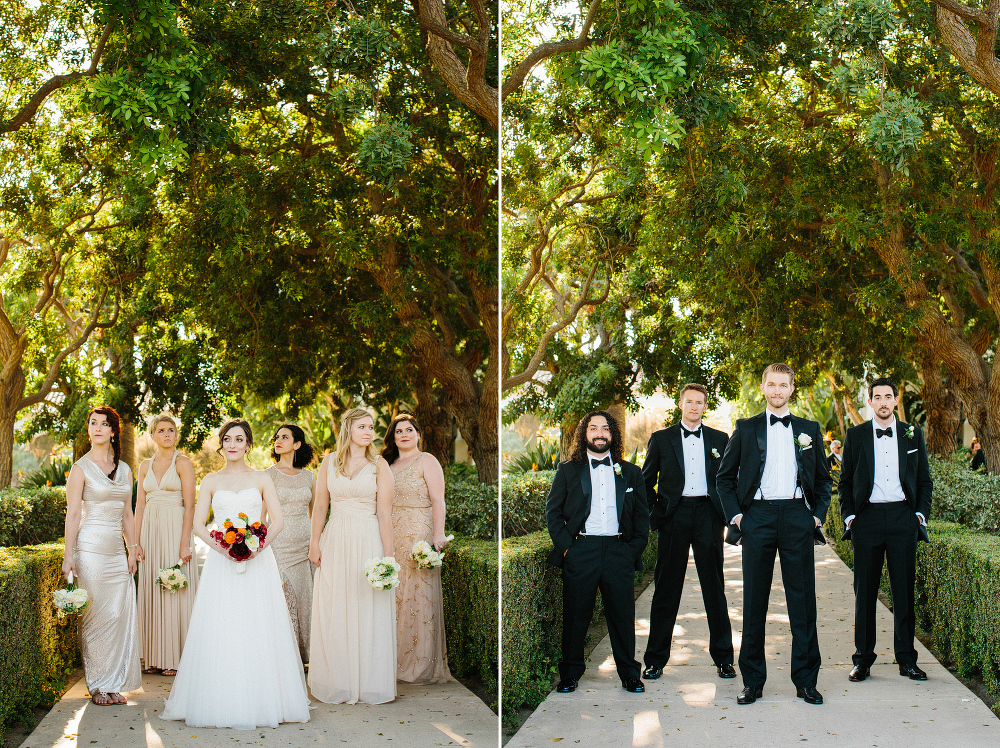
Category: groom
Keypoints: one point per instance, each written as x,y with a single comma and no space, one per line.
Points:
597,518
775,487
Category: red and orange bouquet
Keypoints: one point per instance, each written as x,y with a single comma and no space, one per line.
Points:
240,537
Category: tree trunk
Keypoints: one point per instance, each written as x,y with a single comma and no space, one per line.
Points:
128,444
943,409
7,419
567,431
437,431
839,410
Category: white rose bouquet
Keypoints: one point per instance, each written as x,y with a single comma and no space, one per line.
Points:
70,599
171,579
425,555
382,573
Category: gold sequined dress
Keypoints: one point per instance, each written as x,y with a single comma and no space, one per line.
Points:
291,550
109,629
163,616
420,640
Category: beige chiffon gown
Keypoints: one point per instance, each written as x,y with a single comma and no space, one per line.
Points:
352,653
163,616
420,640
291,550
109,631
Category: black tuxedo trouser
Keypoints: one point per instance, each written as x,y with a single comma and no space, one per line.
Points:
608,564
694,524
884,533
785,527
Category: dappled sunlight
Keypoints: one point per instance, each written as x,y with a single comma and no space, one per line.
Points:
646,732
153,739
697,694
72,728
608,666
446,729
642,627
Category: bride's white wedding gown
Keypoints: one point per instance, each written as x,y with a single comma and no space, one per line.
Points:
240,666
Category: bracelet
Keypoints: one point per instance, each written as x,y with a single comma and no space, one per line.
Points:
134,545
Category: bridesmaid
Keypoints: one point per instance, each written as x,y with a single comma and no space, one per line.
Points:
294,485
352,652
164,511
417,514
99,492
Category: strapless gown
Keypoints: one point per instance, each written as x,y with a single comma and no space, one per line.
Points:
240,666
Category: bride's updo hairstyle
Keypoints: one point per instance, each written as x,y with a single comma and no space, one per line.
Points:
343,454
229,426
115,422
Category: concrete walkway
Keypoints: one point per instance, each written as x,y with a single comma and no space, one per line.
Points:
690,706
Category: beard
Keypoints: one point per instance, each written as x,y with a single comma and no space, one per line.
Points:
605,445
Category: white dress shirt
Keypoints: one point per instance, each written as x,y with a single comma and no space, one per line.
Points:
695,479
886,489
603,519
780,466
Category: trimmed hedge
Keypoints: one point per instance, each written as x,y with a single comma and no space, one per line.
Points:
37,649
532,617
472,507
29,516
524,497
469,576
963,496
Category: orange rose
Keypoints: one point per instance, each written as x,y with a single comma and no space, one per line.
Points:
227,524
241,514
231,537
256,525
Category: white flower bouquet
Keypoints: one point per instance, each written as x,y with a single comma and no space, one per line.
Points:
425,555
70,599
171,579
382,573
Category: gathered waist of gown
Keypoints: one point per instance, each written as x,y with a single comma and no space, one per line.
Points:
163,497
358,509
411,503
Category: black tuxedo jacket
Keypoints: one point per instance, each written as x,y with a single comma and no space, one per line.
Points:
665,461
568,506
857,474
742,468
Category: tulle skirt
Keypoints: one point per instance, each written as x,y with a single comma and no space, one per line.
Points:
240,667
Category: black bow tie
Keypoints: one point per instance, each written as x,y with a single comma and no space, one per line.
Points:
786,420
594,462
879,433
696,432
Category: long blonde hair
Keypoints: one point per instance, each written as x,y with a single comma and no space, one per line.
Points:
343,453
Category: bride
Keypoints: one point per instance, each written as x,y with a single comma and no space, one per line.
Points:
240,666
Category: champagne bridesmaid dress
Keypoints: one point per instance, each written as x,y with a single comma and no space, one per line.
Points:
109,631
291,550
419,601
352,655
163,616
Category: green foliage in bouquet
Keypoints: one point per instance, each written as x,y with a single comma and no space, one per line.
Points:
31,515
37,649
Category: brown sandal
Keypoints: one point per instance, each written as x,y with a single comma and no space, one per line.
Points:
117,698
101,699
168,671
152,671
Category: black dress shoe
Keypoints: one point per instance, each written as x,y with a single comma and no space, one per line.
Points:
912,672
633,685
809,694
652,673
859,673
726,671
750,694
567,685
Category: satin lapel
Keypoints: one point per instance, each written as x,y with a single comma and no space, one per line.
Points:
761,429
706,446
584,468
796,430
676,439
902,447
870,454
620,486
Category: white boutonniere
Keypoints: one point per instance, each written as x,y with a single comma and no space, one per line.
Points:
909,432
715,453
805,442
618,468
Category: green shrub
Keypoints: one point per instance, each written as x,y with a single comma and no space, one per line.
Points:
37,649
469,576
31,515
532,617
524,497
543,456
472,508
54,473
963,496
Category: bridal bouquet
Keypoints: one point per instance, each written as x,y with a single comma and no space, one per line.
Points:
382,573
425,555
240,537
171,579
71,599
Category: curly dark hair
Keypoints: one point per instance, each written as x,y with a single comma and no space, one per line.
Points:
115,422
303,455
390,451
579,453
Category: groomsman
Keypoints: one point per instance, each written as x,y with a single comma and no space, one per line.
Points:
597,518
885,499
687,512
774,483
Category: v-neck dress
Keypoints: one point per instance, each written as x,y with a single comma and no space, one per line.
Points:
163,616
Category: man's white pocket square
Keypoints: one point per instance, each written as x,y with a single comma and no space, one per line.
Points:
911,451
627,490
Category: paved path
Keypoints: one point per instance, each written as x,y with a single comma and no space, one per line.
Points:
690,706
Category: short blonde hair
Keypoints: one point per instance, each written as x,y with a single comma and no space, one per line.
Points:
158,419
343,453
779,368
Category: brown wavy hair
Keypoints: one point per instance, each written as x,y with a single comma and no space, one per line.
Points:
115,422
579,453
389,449
229,426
